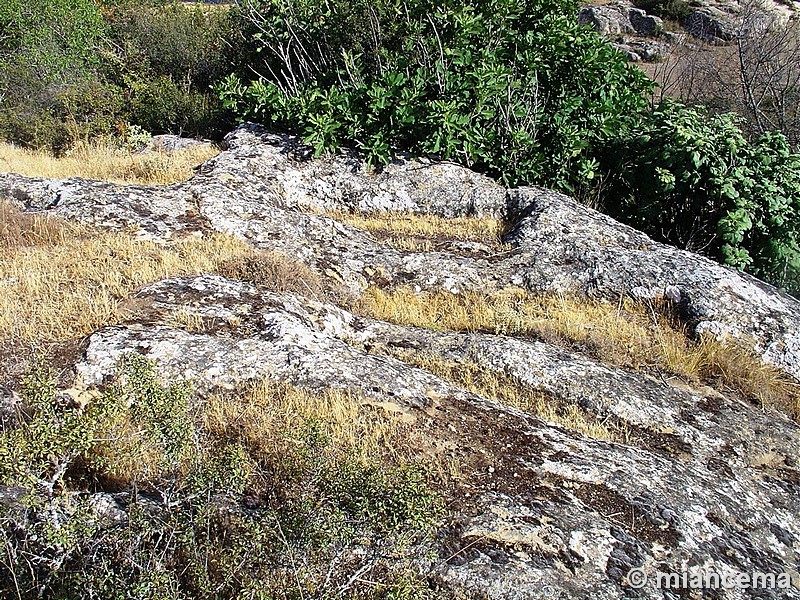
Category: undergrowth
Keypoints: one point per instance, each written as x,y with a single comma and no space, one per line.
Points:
275,493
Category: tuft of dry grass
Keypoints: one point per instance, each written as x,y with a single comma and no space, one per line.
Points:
60,281
276,272
626,334
108,163
18,229
270,419
270,414
405,229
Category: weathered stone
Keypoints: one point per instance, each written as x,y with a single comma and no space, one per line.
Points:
260,191
648,51
699,482
644,24
173,143
711,24
618,18
702,480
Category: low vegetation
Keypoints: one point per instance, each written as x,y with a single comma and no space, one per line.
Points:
276,492
61,281
626,334
75,70
107,162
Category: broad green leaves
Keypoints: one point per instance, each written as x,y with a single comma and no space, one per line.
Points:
512,88
692,179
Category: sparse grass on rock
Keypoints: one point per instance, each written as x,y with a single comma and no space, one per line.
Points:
626,334
60,281
401,228
509,391
108,163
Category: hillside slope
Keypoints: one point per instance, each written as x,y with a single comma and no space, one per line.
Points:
687,473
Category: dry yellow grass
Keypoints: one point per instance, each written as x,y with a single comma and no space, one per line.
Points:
30,229
61,281
625,334
269,415
276,272
105,162
510,392
408,227
268,419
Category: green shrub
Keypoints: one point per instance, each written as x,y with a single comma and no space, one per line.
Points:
513,88
692,179
158,104
170,54
50,51
187,44
677,10
209,517
54,38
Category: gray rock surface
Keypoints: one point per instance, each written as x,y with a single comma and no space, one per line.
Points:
643,50
702,482
635,33
620,17
173,143
261,190
712,24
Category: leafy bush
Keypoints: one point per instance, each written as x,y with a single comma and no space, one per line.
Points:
52,38
77,69
676,10
692,179
170,55
513,88
49,53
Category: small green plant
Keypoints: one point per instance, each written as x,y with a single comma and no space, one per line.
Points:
204,513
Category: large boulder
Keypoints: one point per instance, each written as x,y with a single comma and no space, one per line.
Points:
620,18
712,24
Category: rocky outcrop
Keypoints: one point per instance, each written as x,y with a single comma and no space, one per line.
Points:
620,17
643,50
264,191
702,482
712,24
643,37
635,33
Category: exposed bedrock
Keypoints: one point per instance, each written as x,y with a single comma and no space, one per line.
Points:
266,190
704,482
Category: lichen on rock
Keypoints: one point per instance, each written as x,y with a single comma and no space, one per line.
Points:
702,480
